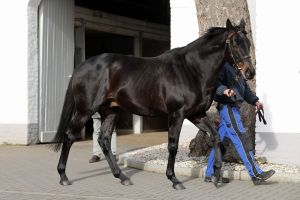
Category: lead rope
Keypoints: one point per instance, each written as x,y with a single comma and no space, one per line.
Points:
261,115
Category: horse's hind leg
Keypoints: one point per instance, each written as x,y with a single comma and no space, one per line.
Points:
104,140
205,124
175,123
61,167
77,123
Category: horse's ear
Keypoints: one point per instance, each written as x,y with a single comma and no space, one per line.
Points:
229,24
242,23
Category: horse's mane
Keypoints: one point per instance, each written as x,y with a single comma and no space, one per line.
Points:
208,37
212,32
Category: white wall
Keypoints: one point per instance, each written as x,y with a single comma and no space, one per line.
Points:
13,71
276,37
278,79
184,22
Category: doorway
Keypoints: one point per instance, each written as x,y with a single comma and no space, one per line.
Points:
72,30
97,43
101,32
152,48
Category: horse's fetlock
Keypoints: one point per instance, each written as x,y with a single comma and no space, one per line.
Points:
117,173
61,168
169,175
170,172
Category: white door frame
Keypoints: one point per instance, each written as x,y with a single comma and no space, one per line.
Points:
56,62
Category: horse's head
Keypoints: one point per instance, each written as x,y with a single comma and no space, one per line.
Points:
238,49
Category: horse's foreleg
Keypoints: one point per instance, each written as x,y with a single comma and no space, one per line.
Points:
205,124
175,123
104,141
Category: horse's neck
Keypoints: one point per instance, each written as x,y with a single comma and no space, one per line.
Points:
202,54
203,63
206,64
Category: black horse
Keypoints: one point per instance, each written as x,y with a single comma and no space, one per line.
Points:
178,83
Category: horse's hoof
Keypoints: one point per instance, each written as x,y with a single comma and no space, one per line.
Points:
65,182
126,182
178,186
215,181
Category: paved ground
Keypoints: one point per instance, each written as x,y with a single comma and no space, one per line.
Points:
30,173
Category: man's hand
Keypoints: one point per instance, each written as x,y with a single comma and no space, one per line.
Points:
229,92
259,105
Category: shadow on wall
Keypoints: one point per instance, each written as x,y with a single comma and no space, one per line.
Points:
266,140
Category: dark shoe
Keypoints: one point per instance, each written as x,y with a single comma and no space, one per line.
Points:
266,175
222,180
257,181
262,177
94,159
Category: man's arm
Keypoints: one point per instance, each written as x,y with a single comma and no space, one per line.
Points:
249,96
220,87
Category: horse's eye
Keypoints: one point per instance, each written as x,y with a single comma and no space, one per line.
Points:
236,41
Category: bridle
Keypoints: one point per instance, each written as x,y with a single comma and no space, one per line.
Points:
260,111
235,61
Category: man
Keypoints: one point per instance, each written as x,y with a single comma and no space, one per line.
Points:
231,90
97,152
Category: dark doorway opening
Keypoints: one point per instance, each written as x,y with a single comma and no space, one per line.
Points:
97,43
153,48
156,11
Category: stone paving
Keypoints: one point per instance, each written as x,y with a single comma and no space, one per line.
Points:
30,173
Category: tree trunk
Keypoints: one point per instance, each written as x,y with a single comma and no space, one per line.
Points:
212,13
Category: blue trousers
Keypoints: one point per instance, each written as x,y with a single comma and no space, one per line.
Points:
231,126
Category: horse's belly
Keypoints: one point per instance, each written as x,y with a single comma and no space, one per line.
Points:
143,110
140,104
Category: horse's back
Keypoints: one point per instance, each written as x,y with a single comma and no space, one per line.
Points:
145,86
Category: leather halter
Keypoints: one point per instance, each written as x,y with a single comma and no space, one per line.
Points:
235,61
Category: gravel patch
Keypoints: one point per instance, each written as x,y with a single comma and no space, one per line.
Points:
158,155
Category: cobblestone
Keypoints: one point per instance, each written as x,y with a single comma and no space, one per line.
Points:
29,172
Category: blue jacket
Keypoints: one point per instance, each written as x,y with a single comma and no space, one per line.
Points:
227,79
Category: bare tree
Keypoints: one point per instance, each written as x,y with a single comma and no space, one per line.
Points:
213,13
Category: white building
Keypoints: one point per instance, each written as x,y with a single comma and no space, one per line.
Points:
278,73
41,42
35,68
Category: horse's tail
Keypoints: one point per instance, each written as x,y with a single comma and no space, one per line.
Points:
65,118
